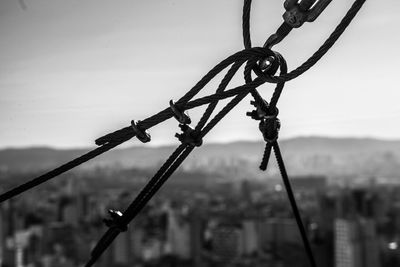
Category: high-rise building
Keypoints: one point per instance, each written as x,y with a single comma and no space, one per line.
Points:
178,236
347,249
2,235
361,202
136,233
250,237
196,237
122,249
307,183
369,240
356,243
227,242
70,214
274,233
9,221
328,209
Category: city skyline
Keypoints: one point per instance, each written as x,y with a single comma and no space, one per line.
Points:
73,71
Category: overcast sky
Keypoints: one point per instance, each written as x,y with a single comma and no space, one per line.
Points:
71,71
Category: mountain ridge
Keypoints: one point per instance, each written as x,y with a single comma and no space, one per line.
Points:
303,155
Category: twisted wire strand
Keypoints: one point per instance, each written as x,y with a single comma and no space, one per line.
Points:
271,109
213,122
118,137
247,45
125,134
246,54
147,191
252,56
278,90
224,83
57,171
151,188
292,200
246,23
169,167
138,203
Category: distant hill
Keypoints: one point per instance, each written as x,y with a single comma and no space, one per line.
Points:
305,155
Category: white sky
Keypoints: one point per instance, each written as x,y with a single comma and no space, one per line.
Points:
74,70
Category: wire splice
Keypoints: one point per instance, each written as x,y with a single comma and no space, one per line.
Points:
142,135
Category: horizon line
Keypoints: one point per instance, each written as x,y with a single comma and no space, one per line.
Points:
159,145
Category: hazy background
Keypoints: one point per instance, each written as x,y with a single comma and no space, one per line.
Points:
73,70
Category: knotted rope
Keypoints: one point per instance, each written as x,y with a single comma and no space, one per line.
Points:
264,62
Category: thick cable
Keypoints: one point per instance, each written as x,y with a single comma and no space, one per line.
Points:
222,86
247,45
277,92
112,140
148,190
251,55
137,205
293,204
245,54
274,144
157,181
57,171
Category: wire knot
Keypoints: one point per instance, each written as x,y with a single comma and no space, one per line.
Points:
115,222
189,135
269,127
142,135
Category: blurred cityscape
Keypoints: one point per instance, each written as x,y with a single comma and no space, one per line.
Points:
200,218
198,223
